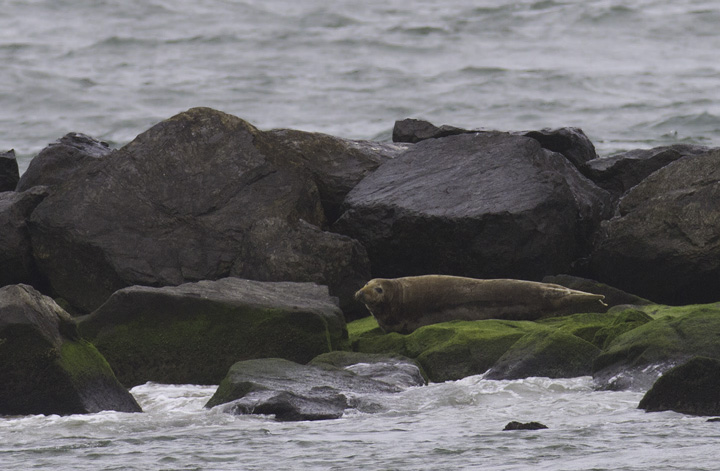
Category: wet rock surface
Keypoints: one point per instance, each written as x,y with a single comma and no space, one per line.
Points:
45,367
291,391
192,333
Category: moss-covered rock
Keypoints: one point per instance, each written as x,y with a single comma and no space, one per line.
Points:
691,388
555,347
548,353
637,357
45,368
194,332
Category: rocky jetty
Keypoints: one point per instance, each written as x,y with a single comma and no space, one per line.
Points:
45,367
192,333
206,241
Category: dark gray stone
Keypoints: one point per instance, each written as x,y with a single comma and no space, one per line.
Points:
524,426
613,296
664,244
415,130
484,205
691,388
61,159
619,173
570,142
16,259
293,391
9,172
190,199
45,368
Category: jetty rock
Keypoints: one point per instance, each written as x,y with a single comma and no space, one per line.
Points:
691,388
481,205
321,390
45,367
663,244
9,171
192,333
619,173
17,264
203,195
61,159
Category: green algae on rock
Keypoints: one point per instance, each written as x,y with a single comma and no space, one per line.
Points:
636,358
192,333
45,368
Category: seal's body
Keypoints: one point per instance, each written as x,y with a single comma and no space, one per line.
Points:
405,304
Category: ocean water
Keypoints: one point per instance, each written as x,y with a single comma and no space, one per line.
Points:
454,425
631,74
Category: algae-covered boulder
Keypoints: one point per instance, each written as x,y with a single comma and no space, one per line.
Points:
548,353
636,358
291,391
555,347
45,367
194,332
691,388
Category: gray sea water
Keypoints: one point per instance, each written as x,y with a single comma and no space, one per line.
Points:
631,74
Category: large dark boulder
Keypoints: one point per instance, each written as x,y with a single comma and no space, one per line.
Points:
336,164
613,296
16,259
481,205
620,172
9,172
58,161
292,392
202,195
45,367
691,388
192,333
664,243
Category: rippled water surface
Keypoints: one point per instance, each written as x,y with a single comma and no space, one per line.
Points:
454,425
631,74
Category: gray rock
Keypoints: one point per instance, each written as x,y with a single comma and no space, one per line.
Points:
9,172
514,425
45,368
481,205
415,130
619,173
570,142
613,296
691,388
192,333
292,391
337,164
663,245
16,259
61,159
398,371
188,200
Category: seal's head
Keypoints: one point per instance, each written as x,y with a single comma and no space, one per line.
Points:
376,294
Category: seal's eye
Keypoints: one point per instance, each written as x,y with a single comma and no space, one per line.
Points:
378,290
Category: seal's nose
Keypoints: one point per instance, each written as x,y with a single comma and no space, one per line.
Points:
360,296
